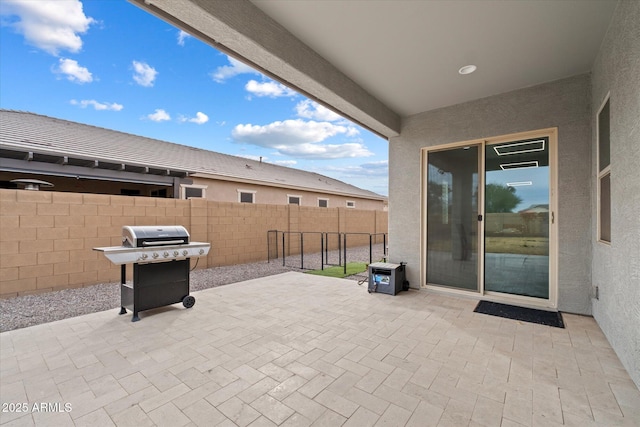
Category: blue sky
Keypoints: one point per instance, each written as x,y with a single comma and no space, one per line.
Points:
113,65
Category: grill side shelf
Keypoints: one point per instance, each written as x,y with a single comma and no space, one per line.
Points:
125,255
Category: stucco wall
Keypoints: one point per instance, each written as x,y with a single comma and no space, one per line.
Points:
227,191
217,190
564,104
616,267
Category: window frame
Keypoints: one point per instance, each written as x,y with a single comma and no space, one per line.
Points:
324,200
351,204
183,191
290,196
241,192
603,174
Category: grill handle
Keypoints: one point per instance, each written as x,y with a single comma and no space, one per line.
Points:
163,242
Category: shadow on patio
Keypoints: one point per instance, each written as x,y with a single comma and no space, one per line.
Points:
297,350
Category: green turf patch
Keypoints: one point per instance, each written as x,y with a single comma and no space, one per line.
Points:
352,268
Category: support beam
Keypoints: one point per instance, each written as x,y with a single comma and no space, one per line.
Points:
243,31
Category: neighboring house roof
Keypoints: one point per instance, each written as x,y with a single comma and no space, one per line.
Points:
30,132
536,209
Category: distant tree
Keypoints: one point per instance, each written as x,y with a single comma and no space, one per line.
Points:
435,192
500,198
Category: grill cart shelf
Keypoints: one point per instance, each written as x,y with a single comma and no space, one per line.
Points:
155,285
160,257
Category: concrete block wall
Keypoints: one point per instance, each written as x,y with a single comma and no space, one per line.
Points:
238,231
318,220
47,238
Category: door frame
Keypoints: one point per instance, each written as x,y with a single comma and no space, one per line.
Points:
552,302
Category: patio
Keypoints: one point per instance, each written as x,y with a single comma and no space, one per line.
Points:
297,350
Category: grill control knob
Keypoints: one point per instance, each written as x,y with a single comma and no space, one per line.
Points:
201,251
176,253
185,252
166,254
145,256
155,255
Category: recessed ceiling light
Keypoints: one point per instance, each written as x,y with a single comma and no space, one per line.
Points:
519,147
519,165
518,184
467,69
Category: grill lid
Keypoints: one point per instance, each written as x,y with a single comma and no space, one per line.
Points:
137,236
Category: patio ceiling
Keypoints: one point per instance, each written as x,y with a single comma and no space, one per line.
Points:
378,61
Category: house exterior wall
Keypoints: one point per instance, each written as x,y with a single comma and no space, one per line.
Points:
217,190
227,191
564,104
47,237
616,267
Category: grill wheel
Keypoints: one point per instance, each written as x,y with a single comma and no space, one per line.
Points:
188,301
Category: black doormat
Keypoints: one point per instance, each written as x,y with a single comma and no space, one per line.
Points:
532,315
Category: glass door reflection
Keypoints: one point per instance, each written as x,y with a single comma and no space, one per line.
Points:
516,259
452,224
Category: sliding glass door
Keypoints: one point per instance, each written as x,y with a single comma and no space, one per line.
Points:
516,229
489,215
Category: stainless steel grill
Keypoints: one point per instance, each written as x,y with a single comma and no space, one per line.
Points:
160,256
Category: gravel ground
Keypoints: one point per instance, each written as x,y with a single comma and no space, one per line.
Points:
29,310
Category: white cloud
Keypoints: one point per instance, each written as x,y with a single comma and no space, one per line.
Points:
48,24
182,35
371,169
374,176
73,71
227,71
312,110
326,151
269,88
159,115
144,74
97,105
352,131
299,138
287,132
200,118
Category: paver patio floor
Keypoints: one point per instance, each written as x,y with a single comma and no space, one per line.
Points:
300,350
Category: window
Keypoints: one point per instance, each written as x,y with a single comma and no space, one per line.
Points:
246,196
294,200
193,191
604,173
351,204
323,203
